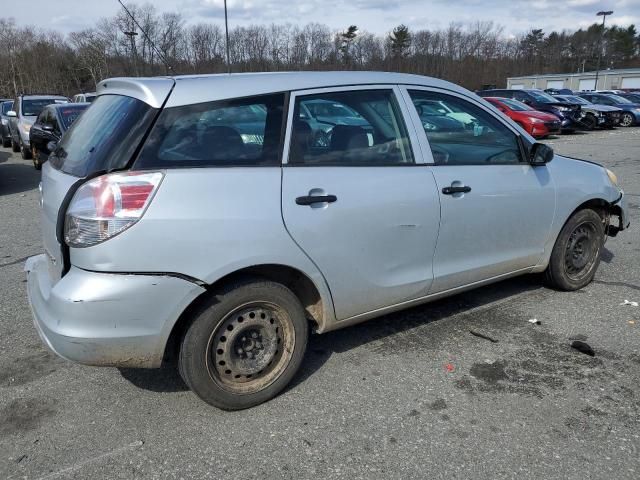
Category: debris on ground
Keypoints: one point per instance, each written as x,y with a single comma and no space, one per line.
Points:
627,302
583,347
535,321
482,335
449,367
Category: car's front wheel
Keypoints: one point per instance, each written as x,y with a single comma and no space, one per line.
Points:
37,160
25,152
15,146
245,344
6,142
576,253
590,121
626,120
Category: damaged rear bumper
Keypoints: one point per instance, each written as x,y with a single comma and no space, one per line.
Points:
620,210
106,318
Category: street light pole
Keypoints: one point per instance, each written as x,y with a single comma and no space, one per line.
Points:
226,32
604,15
132,34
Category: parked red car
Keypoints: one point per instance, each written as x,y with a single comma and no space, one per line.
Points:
537,124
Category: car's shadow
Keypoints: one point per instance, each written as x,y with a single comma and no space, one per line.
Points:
17,177
321,347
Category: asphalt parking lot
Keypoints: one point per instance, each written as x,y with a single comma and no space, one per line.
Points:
409,395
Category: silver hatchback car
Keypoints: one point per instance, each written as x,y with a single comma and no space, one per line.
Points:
210,218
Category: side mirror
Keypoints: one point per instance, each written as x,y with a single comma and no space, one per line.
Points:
51,146
12,113
47,128
540,154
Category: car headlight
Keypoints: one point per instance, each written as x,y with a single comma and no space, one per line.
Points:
637,110
564,109
5,121
536,120
25,128
612,177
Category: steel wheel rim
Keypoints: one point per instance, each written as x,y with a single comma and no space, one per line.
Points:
250,348
581,251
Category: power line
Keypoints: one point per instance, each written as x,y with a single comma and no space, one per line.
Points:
167,66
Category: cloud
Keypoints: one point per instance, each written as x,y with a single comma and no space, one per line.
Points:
379,16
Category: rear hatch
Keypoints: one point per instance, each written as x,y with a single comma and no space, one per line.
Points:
105,138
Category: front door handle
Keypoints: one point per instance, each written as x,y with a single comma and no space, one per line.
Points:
452,190
311,199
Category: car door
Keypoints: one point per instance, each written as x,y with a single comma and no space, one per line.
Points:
361,205
37,133
497,209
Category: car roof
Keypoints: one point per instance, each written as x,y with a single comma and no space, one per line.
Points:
42,97
190,89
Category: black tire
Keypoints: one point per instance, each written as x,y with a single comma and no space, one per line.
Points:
244,345
14,146
626,120
25,153
576,253
37,161
6,142
590,121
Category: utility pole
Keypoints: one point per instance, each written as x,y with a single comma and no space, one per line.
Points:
604,15
132,36
226,32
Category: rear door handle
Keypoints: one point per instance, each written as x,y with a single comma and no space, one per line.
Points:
452,190
311,199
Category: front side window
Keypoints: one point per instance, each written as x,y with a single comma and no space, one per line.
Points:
542,97
461,133
349,128
238,132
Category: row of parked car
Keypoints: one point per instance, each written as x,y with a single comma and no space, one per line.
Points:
543,113
34,124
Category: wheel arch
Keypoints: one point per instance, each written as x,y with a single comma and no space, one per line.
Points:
318,309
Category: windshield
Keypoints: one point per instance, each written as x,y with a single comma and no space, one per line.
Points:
542,97
330,109
70,114
619,99
105,137
6,106
32,108
515,105
574,99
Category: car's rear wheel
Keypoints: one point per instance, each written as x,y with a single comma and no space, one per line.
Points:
6,142
576,253
37,160
25,153
15,146
626,120
244,345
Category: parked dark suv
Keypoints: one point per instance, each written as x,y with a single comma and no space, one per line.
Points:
570,114
631,111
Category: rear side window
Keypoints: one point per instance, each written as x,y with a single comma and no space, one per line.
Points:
349,128
238,132
6,106
105,137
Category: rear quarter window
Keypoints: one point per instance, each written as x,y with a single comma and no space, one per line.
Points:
237,132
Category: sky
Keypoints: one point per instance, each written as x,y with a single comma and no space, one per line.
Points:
377,16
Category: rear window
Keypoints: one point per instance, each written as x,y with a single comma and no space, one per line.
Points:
6,106
70,114
105,137
238,132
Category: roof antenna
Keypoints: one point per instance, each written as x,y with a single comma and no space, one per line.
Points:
167,66
226,32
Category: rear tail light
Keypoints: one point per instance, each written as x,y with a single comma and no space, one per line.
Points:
107,205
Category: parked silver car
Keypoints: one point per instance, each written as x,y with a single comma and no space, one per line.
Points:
26,109
196,216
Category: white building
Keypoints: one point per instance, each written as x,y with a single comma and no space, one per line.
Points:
607,80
